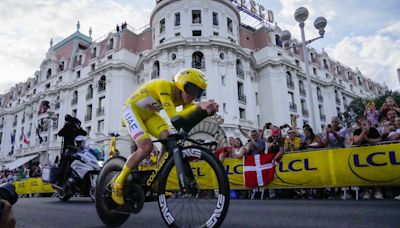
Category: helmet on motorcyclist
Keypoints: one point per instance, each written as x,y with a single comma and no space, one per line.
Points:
80,141
191,81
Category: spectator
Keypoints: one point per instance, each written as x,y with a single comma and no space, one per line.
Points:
365,133
388,105
231,141
275,144
256,144
312,141
292,141
334,135
371,114
395,134
388,125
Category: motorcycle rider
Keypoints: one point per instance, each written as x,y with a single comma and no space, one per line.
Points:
71,129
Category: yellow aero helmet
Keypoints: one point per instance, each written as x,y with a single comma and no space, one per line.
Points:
191,81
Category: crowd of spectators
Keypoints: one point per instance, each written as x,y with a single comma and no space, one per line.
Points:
21,173
374,127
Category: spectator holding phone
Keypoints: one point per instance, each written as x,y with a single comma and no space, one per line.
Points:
334,135
365,133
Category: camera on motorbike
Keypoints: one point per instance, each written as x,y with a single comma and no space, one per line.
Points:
7,192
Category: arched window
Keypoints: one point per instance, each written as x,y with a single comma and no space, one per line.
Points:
110,44
319,92
102,83
278,41
48,75
89,93
289,77
326,65
156,70
198,60
239,68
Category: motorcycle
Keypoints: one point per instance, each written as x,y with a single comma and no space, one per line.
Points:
81,174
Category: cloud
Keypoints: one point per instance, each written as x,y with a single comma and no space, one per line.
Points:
27,27
377,56
393,29
4,86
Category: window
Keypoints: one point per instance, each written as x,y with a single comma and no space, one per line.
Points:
74,98
303,105
242,113
102,102
337,70
79,60
196,16
321,110
156,70
61,66
338,111
177,19
223,79
78,74
289,80
359,80
312,57
88,130
291,97
315,71
295,49
258,120
198,60
88,112
102,83
327,76
240,88
74,112
196,33
93,67
351,87
326,65
94,51
110,45
215,18
89,93
257,101
109,57
162,25
216,33
48,75
224,107
278,41
48,86
239,69
178,34
297,62
162,40
100,126
229,24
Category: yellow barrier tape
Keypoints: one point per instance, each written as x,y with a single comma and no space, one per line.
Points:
32,185
377,165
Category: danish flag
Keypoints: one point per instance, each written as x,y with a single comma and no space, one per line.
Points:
258,170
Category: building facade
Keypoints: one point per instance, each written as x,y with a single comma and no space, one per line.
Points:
253,78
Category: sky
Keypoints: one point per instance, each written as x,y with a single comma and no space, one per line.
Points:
360,33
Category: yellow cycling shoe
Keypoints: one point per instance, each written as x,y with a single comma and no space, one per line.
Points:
117,192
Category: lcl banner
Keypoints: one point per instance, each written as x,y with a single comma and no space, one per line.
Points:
377,165
359,166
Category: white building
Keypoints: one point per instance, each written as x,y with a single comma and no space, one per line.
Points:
250,75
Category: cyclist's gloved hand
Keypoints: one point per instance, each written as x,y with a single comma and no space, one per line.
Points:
210,106
187,123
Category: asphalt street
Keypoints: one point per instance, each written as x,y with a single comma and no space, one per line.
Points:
81,212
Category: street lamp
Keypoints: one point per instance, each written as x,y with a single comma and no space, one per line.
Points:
301,15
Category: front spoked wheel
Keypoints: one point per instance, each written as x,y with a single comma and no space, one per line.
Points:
206,204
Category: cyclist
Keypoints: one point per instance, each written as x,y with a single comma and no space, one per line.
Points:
141,115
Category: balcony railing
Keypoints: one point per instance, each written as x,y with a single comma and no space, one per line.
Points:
100,112
74,101
57,105
102,88
304,112
323,117
303,92
89,117
290,84
89,96
155,74
242,98
292,106
320,98
240,73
